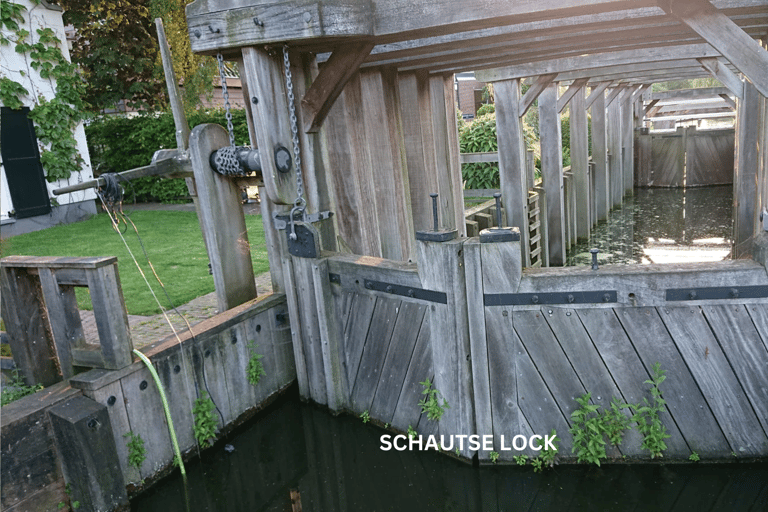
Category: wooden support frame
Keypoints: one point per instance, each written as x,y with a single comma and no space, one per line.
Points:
327,86
745,185
552,173
723,34
597,91
541,83
718,69
572,90
580,162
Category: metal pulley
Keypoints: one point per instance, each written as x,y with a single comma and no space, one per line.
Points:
235,160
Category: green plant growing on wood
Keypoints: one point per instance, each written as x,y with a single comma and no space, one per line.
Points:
694,457
205,421
520,460
614,422
646,415
411,432
494,456
430,403
587,431
547,457
255,369
365,416
16,389
137,454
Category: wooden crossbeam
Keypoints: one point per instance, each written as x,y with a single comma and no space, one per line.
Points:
614,94
639,92
703,92
563,100
717,67
329,83
597,90
535,90
729,101
723,34
650,106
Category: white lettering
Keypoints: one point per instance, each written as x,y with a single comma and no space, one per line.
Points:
431,443
416,440
442,443
461,439
503,446
548,440
488,443
537,445
401,447
474,442
386,445
514,442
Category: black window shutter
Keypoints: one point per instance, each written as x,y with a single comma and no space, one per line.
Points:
21,161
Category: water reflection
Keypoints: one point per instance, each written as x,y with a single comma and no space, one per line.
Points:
664,226
334,464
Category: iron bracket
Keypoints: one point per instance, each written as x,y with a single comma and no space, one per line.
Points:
281,220
718,292
397,289
527,299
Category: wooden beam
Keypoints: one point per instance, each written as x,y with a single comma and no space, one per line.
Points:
723,34
639,92
512,154
552,173
729,101
334,75
746,172
717,67
613,94
600,155
597,91
599,60
650,106
580,163
562,102
533,92
174,96
704,92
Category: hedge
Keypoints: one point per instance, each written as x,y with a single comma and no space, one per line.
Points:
119,143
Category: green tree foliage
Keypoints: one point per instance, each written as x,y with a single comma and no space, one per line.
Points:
118,143
116,47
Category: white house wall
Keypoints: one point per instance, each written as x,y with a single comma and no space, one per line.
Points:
17,67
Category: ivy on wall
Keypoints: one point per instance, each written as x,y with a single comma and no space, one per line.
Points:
56,118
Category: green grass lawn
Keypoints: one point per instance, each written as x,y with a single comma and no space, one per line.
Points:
172,240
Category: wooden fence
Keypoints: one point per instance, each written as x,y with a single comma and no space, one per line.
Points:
686,157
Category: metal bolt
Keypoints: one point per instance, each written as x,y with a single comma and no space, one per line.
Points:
207,353
390,289
176,369
198,33
497,196
214,30
434,208
594,258
607,297
693,295
93,424
535,299
258,22
111,400
258,328
255,100
734,293
143,385
307,17
369,285
571,298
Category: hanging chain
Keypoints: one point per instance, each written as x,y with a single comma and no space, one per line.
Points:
299,205
225,93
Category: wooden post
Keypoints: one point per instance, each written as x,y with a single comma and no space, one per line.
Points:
615,172
745,213
509,133
222,221
441,268
628,128
552,173
580,163
600,158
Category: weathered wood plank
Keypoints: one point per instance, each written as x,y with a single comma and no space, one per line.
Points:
356,332
178,380
584,358
628,372
615,161
331,338
683,396
407,411
717,67
374,353
222,221
716,379
294,316
746,172
541,83
745,351
580,162
111,316
327,86
23,314
552,173
398,356
600,155
63,318
512,154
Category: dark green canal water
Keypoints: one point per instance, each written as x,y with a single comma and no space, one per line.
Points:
664,226
335,465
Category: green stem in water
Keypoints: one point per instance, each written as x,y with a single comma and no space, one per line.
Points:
151,368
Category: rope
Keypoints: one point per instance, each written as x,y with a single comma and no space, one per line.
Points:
111,193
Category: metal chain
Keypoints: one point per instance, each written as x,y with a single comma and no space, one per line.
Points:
299,205
225,93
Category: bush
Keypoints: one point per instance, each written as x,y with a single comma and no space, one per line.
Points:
487,108
118,143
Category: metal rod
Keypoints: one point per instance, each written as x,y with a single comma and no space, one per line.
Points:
434,208
497,196
594,258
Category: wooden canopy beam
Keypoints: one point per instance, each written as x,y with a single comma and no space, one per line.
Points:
650,106
599,60
329,83
729,101
534,91
614,94
639,92
563,100
717,67
597,90
723,34
704,92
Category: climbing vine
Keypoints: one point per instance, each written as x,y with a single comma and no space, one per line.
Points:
55,118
